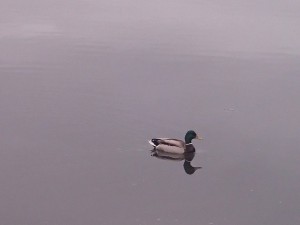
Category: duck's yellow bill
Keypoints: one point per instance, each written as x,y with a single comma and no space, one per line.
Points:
199,137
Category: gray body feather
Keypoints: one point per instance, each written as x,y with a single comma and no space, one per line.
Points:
171,145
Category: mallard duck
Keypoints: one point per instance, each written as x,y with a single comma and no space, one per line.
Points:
176,146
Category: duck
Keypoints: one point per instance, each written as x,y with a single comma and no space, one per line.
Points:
176,146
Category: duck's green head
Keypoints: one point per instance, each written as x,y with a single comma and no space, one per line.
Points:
190,135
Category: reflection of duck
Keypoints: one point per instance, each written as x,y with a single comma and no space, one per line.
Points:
187,157
188,168
175,146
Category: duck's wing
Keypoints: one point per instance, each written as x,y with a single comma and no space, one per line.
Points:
170,149
168,145
168,141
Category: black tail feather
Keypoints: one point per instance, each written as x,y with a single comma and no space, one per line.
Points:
155,141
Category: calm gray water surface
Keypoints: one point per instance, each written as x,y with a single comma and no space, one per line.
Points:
85,84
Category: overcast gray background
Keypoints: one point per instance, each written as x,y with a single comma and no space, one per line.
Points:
85,84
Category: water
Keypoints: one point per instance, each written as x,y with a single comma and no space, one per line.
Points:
85,84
